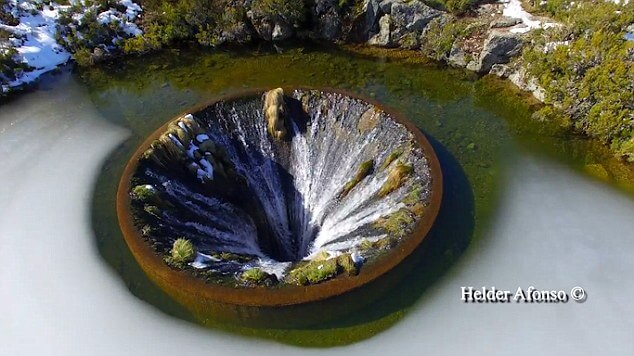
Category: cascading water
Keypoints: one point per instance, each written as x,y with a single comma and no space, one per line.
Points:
345,179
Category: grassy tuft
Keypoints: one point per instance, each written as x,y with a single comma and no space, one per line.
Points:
182,252
256,276
347,264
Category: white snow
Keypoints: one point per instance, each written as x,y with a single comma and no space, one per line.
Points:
514,9
550,46
35,40
34,36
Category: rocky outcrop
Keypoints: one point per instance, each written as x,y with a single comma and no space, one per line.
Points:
498,48
410,19
366,22
383,38
400,23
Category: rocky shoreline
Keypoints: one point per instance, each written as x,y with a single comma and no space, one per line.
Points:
409,25
569,66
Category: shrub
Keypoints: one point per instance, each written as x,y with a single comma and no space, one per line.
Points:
440,36
292,11
459,7
591,79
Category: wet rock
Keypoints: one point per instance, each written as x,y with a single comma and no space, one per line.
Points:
499,48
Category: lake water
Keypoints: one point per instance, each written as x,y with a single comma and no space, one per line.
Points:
518,211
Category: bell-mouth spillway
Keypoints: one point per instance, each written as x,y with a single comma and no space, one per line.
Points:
393,177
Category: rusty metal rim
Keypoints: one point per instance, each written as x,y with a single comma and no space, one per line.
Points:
166,277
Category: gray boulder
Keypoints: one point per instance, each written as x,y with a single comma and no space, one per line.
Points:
409,20
413,15
382,39
457,56
498,48
366,23
501,70
504,21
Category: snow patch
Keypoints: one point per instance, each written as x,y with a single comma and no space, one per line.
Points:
514,9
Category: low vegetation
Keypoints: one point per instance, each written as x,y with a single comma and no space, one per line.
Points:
320,270
586,68
256,276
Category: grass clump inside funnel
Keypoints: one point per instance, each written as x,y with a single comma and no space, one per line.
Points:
256,276
183,251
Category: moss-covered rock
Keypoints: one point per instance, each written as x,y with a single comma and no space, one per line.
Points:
396,178
397,223
364,170
393,156
415,195
314,272
275,112
346,262
379,245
